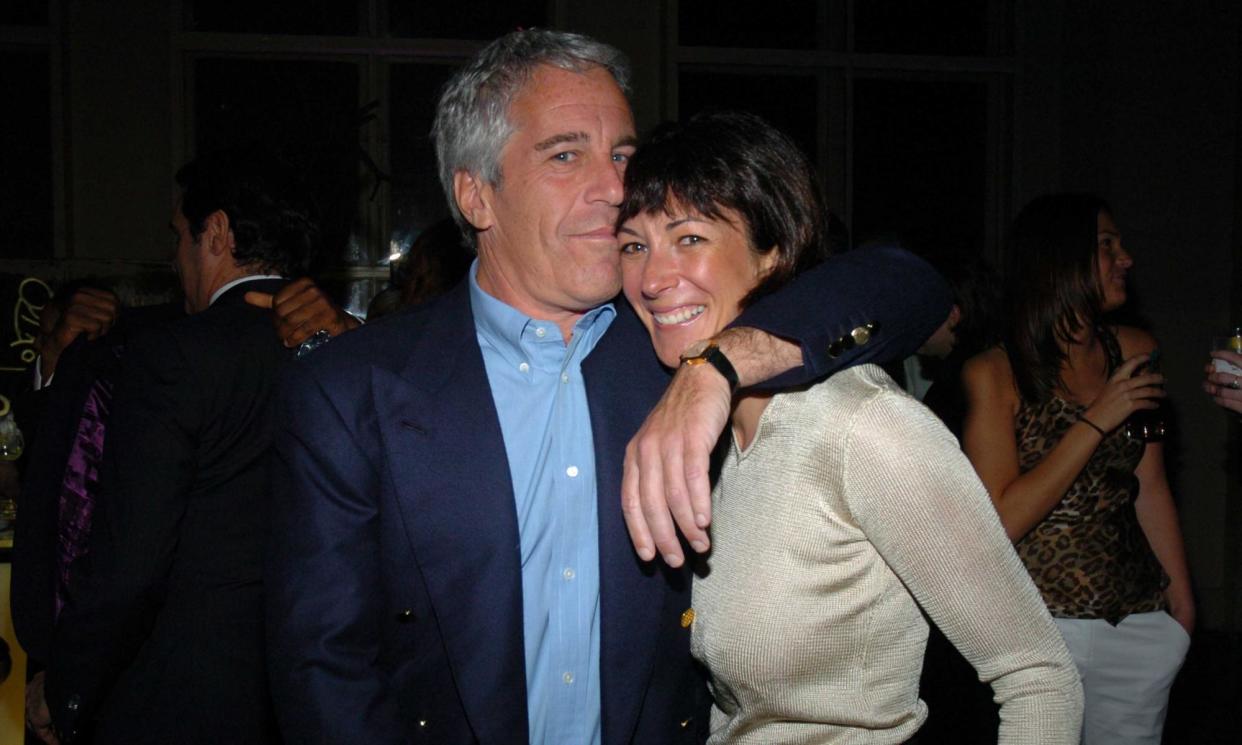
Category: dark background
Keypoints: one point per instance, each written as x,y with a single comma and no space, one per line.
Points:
930,121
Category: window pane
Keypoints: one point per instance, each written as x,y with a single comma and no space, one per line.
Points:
956,27
306,113
26,155
417,199
326,17
786,101
23,13
353,295
779,24
920,163
464,19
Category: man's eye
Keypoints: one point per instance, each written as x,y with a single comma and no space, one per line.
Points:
632,248
565,157
620,157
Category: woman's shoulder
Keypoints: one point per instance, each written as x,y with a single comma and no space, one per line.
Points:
858,393
1134,340
859,382
842,395
988,368
988,382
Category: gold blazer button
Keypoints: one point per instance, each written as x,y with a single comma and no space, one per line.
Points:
862,334
687,618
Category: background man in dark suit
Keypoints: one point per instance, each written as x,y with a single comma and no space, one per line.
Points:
83,345
449,562
160,639
83,333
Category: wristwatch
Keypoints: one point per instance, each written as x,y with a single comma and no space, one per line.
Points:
705,352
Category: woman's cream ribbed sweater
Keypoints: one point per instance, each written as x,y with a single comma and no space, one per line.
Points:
853,507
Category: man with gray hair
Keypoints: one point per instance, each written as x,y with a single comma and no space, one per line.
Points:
450,562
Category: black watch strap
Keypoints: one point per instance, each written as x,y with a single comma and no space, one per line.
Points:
712,355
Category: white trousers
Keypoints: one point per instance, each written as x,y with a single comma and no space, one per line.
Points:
1126,672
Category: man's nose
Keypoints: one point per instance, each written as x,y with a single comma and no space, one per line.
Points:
607,182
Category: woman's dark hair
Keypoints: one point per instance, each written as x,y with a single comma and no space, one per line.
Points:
976,293
273,222
736,161
1052,285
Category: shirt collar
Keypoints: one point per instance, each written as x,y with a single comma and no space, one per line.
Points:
230,285
503,325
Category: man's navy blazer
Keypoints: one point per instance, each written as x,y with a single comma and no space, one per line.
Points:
394,589
83,362
161,638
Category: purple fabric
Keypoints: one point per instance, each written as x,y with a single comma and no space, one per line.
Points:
80,486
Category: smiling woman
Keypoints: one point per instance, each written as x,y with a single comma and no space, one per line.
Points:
694,271
839,509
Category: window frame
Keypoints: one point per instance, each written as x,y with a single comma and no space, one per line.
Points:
836,72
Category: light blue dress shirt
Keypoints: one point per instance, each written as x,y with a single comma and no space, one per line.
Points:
536,382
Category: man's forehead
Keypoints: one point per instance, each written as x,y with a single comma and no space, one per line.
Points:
553,92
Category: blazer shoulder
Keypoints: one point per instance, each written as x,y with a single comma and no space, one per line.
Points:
409,338
214,336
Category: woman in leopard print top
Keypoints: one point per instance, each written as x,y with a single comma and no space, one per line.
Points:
1089,508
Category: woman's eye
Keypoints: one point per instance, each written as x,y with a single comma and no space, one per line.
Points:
632,248
691,240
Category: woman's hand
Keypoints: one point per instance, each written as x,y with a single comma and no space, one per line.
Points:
1124,394
1224,388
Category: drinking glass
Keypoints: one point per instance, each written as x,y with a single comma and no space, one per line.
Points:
1231,343
1147,424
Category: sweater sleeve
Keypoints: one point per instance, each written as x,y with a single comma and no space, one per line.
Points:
917,499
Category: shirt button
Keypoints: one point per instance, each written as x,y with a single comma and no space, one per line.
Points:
524,367
564,378
568,678
540,331
568,573
572,471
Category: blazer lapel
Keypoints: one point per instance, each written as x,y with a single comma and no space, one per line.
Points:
620,391
447,460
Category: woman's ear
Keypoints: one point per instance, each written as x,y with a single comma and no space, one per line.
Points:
767,262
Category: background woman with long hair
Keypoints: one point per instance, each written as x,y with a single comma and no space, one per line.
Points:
1087,505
